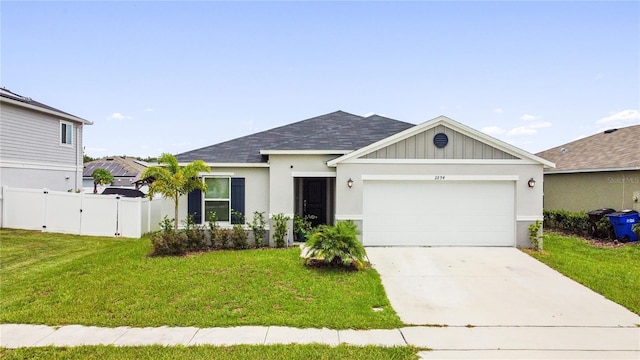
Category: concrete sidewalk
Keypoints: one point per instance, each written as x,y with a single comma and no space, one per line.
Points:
447,342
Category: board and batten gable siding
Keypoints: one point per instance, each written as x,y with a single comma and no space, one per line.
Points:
34,137
421,146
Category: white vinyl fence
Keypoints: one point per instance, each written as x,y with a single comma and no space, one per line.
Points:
79,213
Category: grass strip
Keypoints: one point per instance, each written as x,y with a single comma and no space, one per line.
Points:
239,352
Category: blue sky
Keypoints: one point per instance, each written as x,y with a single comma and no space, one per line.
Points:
175,76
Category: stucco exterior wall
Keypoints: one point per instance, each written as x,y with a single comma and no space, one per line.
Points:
590,191
528,207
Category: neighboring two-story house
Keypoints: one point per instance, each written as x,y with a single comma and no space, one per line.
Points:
40,146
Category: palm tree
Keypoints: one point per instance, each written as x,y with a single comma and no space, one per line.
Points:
101,176
172,181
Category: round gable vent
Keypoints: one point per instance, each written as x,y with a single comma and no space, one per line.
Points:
440,140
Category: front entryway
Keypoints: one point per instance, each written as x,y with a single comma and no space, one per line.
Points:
315,196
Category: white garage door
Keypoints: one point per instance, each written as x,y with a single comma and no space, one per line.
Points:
438,213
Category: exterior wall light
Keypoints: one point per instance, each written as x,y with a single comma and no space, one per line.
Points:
531,183
350,183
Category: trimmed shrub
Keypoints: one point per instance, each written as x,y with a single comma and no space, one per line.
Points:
239,237
577,223
258,228
168,242
196,235
603,229
221,237
280,229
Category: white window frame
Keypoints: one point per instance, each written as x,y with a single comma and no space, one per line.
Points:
66,125
205,199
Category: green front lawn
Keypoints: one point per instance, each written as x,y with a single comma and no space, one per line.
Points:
613,272
56,279
240,352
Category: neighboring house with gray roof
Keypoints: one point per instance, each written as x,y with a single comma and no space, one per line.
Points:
40,146
599,171
437,183
126,172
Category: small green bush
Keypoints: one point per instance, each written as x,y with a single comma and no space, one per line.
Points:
302,226
336,246
280,229
534,234
258,228
222,237
239,237
213,227
166,224
168,242
603,229
196,236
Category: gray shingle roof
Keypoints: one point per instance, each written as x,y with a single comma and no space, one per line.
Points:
7,94
616,150
335,131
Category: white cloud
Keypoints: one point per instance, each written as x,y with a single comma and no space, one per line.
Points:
493,130
529,129
498,110
369,114
119,116
625,117
528,117
148,109
521,130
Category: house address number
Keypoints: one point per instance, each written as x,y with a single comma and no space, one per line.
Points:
439,177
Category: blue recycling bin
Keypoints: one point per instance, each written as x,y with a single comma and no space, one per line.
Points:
623,222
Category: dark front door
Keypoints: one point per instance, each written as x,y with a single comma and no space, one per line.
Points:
314,200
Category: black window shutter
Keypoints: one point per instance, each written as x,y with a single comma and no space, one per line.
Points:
194,205
237,199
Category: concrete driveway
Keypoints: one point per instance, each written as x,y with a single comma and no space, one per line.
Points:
487,286
500,303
